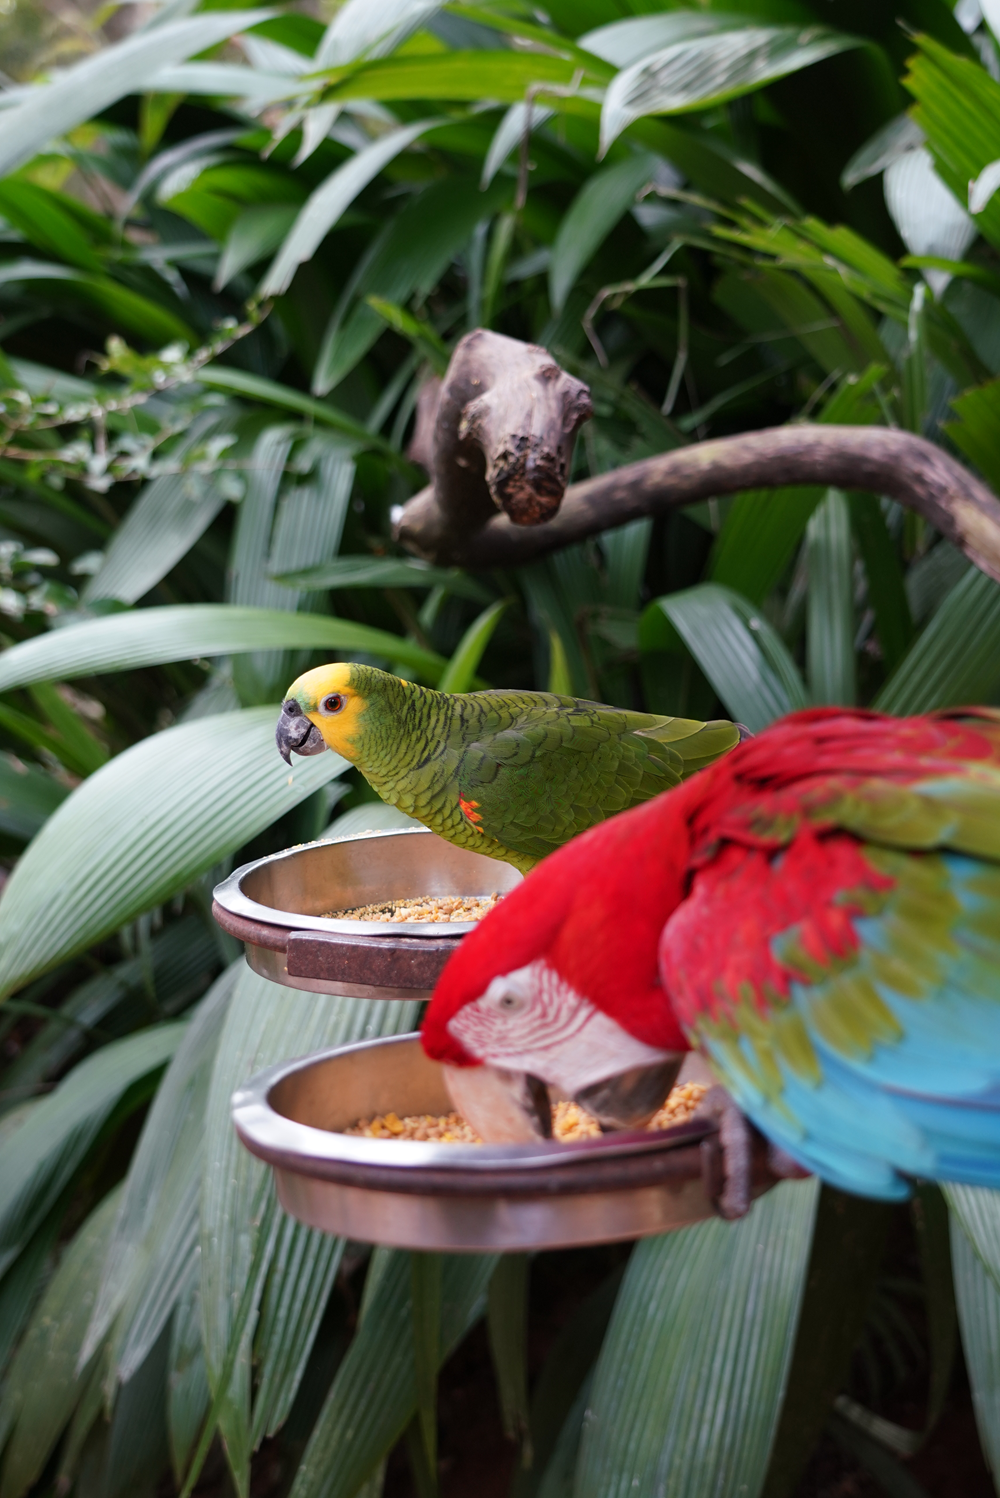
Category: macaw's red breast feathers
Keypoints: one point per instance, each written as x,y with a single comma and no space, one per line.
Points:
593,911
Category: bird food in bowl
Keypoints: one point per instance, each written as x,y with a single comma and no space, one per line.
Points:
374,914
455,1194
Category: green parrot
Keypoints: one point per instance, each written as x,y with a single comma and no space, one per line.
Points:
510,774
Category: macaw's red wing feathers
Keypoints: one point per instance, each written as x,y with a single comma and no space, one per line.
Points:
908,783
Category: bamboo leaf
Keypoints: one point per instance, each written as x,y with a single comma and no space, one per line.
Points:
603,199
690,1380
830,605
265,1025
47,1358
374,1394
180,632
50,109
359,30
759,537
460,671
141,828
44,1152
956,659
332,198
706,70
743,657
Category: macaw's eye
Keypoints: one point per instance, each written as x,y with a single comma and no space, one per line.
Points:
511,1003
334,703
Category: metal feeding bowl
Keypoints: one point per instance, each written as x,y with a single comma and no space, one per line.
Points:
276,907
456,1197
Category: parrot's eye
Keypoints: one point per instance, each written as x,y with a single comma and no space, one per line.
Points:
334,703
511,1003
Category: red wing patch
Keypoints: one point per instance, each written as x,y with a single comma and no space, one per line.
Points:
470,812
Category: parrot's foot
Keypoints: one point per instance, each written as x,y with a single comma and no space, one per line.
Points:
727,1157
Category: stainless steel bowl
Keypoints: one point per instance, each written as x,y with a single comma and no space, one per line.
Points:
454,1197
275,907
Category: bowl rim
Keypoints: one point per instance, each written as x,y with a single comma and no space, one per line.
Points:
412,1165
229,894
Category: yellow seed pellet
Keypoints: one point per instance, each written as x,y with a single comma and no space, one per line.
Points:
570,1122
422,908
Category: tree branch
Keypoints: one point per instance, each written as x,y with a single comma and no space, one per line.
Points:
897,464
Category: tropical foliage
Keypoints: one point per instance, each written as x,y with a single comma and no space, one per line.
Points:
232,245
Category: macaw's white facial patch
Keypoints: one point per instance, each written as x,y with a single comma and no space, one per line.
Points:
532,1020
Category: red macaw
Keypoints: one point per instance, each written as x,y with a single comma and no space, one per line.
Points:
818,913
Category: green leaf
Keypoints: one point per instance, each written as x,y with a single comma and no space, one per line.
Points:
256,233
385,572
151,1253
122,306
28,797
978,1296
603,199
759,537
43,1384
426,1270
847,1250
374,1394
886,588
332,198
358,30
741,654
57,1134
459,674
691,1376
21,1284
168,517
559,680
270,393
50,109
141,828
499,75
830,604
45,222
930,1217
187,1382
565,1377
956,659
83,752
181,632
507,1323
977,1210
265,1025
706,70
975,432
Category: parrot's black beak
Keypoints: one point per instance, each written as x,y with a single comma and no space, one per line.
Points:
295,731
629,1099
504,1107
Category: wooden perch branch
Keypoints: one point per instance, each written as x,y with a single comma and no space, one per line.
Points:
496,434
897,464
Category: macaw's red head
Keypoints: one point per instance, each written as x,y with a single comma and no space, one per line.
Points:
559,984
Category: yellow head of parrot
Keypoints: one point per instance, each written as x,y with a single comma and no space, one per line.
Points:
321,711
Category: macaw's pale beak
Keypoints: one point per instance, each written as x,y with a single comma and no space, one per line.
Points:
629,1099
295,731
504,1107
